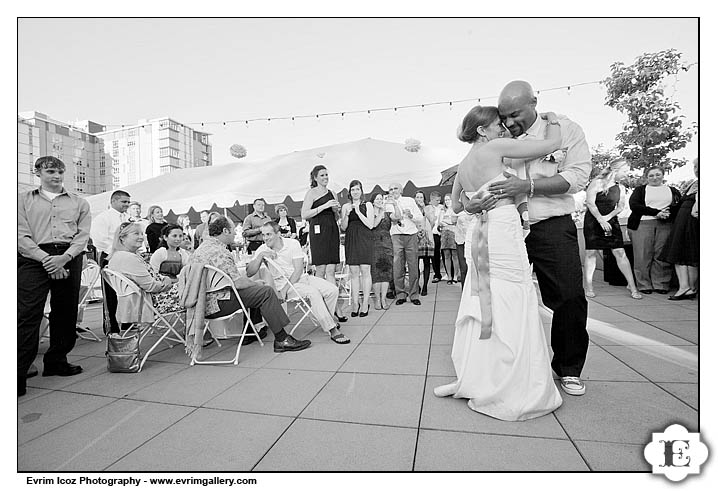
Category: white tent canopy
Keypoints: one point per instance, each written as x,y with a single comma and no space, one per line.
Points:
370,161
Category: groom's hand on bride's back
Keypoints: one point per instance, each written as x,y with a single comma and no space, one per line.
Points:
512,186
478,204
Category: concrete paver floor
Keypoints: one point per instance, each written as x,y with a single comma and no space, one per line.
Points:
365,406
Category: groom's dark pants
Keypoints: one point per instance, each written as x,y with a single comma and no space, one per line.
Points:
552,247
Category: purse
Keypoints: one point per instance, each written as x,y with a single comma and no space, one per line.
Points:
123,353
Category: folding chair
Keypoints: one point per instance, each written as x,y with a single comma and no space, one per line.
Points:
218,280
344,283
294,297
90,274
160,326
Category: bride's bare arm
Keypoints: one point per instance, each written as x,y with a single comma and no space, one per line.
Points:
527,149
456,194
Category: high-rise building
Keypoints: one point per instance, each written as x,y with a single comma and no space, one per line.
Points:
82,152
151,148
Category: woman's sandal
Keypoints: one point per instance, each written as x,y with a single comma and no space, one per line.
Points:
340,338
590,294
636,295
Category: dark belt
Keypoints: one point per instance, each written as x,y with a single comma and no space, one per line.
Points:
55,248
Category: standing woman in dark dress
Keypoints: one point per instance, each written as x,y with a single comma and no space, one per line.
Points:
154,229
382,266
321,208
682,247
357,221
605,199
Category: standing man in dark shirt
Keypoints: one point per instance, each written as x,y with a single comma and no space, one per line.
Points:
252,226
53,229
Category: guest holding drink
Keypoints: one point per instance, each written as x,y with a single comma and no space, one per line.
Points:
605,199
321,208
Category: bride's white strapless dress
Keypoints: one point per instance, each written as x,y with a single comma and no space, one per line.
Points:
507,375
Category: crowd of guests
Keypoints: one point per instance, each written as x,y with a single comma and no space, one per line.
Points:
388,239
662,227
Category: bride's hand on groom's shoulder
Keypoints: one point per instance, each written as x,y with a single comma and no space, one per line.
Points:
549,116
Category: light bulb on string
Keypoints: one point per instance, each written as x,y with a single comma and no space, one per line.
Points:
422,108
568,90
246,123
292,120
342,116
451,106
368,114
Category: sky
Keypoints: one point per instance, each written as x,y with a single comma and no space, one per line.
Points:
118,71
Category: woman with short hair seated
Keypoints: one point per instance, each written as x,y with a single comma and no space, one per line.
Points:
170,258
125,260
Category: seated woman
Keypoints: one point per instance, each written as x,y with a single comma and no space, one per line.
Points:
170,259
287,225
125,260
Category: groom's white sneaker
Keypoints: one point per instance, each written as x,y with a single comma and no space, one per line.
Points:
573,386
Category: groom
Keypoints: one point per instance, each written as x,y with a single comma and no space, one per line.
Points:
552,245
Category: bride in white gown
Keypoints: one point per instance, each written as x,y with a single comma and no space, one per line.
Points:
500,352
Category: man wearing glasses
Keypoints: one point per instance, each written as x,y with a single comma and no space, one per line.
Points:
405,218
52,231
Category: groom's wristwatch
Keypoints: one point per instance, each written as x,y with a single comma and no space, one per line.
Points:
555,121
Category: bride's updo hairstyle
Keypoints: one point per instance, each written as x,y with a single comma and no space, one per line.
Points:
477,116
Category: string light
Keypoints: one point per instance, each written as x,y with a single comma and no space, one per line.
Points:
369,111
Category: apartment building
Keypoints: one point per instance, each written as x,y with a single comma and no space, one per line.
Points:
152,147
87,170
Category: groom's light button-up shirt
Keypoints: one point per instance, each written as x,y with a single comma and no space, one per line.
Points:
575,168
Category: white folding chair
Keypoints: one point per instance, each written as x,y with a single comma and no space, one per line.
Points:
344,282
218,280
90,275
161,325
295,298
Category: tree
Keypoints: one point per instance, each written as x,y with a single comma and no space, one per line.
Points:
601,157
654,128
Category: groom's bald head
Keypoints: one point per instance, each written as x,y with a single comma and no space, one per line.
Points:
517,107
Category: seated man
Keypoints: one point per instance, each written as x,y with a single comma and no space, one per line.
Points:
213,251
287,254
